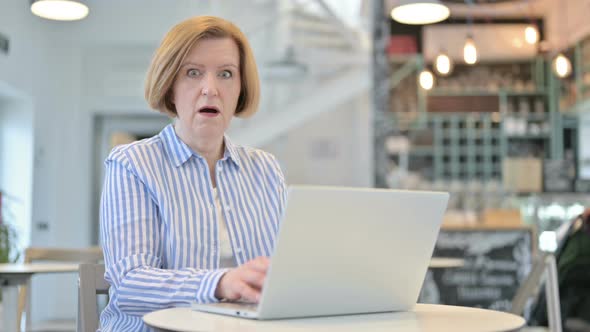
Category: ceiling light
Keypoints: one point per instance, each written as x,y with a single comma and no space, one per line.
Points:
426,79
419,11
470,51
562,66
443,65
531,34
60,10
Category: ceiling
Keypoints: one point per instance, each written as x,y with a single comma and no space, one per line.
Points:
497,8
491,8
479,1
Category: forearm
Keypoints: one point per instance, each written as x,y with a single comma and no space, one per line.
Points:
144,289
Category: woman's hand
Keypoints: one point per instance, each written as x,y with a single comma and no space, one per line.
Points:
244,282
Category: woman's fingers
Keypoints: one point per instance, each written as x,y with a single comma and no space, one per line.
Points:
253,278
244,282
259,263
248,293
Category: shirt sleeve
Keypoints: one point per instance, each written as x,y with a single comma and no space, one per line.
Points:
131,234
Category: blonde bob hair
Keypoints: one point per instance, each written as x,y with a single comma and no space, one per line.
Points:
174,48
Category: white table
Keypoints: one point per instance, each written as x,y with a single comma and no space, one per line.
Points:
442,262
424,318
14,275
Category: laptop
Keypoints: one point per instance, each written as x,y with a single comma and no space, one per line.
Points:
346,251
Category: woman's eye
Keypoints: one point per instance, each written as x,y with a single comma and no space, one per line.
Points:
226,74
193,72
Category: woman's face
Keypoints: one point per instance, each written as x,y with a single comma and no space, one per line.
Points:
207,87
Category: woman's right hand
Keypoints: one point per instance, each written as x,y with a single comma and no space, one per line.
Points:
243,282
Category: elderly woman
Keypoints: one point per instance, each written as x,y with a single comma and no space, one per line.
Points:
187,215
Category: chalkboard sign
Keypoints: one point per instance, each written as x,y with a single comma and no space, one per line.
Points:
496,262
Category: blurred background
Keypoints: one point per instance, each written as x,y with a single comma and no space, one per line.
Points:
490,101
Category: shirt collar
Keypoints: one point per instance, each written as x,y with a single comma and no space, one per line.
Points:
179,152
231,151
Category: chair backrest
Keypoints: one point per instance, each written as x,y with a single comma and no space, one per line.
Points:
91,283
52,254
72,255
543,266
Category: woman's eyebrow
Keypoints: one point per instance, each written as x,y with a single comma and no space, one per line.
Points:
190,64
200,65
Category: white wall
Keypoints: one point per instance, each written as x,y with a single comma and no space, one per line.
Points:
16,163
335,148
26,85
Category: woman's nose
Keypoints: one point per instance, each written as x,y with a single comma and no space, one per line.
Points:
209,86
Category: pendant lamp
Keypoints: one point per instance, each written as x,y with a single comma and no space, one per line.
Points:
419,11
59,10
443,65
470,51
426,79
562,66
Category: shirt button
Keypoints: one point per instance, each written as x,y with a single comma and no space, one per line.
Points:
238,250
219,168
227,208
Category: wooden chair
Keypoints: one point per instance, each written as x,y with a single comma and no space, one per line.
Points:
91,283
51,254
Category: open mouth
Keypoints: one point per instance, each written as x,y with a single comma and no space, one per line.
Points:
208,110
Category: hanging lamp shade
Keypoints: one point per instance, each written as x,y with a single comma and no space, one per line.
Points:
531,34
426,79
419,11
443,64
59,10
562,66
470,51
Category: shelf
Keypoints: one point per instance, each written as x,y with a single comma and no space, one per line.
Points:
539,92
482,92
529,116
528,136
473,144
455,93
421,151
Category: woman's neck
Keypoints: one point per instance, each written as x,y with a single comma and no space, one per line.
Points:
209,148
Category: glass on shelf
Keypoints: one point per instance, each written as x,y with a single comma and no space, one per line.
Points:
518,86
539,107
534,129
523,106
530,86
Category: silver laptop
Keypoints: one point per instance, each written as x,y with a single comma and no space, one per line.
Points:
346,251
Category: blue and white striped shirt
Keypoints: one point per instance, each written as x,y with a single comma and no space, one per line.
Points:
158,222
